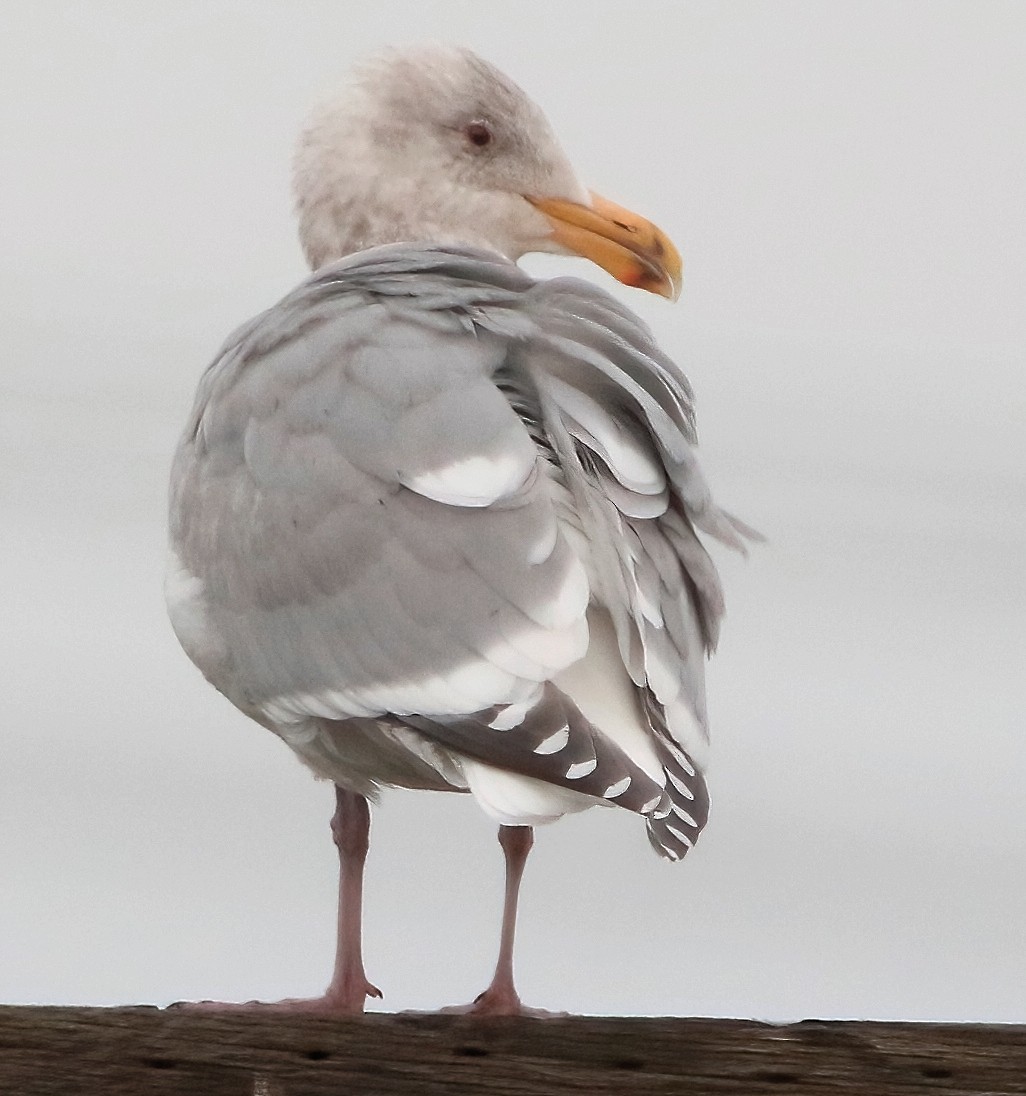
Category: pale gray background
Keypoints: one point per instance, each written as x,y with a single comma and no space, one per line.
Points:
846,183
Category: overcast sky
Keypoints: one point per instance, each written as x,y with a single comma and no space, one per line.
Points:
845,181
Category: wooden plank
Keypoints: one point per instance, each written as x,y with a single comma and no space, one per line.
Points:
149,1052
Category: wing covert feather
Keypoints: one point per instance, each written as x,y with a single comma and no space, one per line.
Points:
368,516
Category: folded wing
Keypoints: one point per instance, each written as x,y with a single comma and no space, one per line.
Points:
399,492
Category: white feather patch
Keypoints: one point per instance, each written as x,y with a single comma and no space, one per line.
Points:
634,465
461,691
514,714
570,603
515,800
618,788
472,481
536,653
544,546
189,610
601,687
554,743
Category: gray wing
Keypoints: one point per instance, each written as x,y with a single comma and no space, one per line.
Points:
370,515
365,525
620,417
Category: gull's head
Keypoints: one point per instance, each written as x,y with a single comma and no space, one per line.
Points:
434,145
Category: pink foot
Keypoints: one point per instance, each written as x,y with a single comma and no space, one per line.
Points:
497,1001
349,1002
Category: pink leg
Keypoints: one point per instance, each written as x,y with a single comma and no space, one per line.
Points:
349,989
501,997
350,828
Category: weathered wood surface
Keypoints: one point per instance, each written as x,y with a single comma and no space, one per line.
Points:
148,1052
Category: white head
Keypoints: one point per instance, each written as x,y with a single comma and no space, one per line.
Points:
432,144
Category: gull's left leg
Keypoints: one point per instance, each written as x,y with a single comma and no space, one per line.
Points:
501,997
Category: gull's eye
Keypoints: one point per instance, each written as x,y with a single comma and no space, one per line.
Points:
479,134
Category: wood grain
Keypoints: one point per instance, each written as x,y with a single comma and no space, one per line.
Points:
150,1052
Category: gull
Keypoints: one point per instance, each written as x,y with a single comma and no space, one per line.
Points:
435,523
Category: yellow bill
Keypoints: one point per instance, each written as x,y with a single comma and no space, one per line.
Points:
630,248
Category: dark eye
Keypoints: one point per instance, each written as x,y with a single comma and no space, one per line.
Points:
478,134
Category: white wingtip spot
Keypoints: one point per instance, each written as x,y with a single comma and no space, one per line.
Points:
511,716
581,768
555,742
651,805
684,816
681,758
681,836
617,789
680,785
